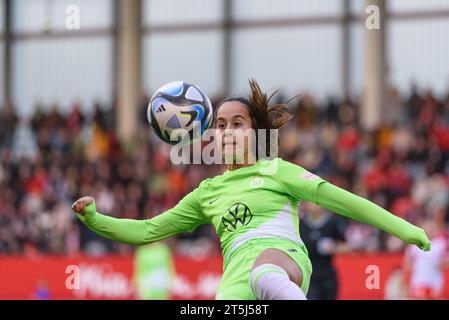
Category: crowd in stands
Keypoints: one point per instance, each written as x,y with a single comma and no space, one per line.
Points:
50,159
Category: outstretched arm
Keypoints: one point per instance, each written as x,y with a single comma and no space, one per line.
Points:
185,216
123,230
303,185
354,207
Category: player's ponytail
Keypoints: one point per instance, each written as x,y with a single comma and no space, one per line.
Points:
268,117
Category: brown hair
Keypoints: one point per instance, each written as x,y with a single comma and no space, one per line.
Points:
262,115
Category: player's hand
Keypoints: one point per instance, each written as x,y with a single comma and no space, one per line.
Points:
421,240
84,205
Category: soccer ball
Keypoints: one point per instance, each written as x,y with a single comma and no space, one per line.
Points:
179,105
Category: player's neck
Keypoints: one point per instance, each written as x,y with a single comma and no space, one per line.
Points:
249,161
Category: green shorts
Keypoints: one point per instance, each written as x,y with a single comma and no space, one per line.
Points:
235,283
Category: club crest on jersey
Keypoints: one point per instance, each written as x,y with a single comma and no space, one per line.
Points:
256,182
237,215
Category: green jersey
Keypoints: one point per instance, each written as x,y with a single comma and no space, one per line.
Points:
259,201
253,208
254,201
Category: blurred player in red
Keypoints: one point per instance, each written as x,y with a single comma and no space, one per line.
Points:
424,271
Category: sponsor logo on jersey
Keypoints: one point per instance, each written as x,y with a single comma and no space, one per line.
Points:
237,215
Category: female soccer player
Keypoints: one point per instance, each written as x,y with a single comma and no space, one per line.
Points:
253,208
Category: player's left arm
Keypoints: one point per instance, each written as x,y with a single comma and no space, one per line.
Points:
304,185
352,206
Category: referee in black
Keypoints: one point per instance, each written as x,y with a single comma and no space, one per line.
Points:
323,234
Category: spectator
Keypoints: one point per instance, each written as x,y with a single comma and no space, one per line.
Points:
50,160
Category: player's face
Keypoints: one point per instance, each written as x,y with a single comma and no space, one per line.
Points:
234,127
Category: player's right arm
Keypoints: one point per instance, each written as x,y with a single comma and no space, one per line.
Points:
185,216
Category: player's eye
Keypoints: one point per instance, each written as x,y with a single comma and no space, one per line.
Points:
237,124
221,125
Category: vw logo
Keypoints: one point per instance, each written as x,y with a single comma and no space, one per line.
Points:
237,215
